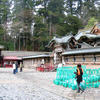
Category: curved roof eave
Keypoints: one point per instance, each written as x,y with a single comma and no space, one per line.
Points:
62,40
88,35
82,51
36,56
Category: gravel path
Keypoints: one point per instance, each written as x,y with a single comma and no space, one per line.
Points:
24,86
32,85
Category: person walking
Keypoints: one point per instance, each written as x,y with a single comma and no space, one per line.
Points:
21,66
14,68
79,73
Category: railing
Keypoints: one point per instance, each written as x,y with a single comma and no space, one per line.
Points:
45,68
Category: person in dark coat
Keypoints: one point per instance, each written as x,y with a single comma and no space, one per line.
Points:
79,73
21,66
16,67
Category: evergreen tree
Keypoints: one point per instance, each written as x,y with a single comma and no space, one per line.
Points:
32,23
71,7
22,21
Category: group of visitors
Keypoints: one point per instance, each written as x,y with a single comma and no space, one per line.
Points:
16,66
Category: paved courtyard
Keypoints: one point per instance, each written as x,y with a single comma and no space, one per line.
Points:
24,86
32,85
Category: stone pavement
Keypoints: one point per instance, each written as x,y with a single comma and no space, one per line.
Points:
45,80
20,87
32,85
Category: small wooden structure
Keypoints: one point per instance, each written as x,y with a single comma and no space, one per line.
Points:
41,62
8,61
59,45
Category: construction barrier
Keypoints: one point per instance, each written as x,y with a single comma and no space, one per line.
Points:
65,76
